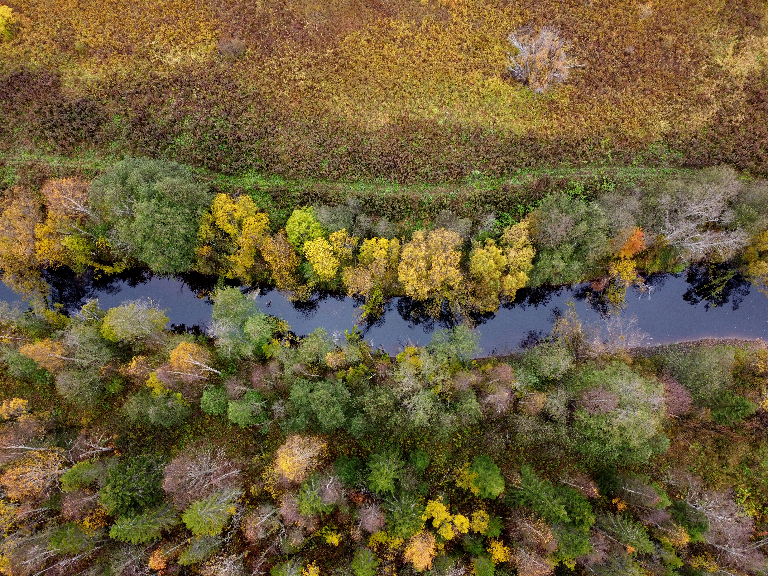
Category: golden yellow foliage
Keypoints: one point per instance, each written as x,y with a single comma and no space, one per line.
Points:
429,264
421,550
499,553
7,515
311,570
519,251
18,260
461,523
438,511
282,260
7,22
190,359
157,561
480,521
487,263
756,258
13,408
298,456
48,353
32,475
677,536
377,267
321,255
466,479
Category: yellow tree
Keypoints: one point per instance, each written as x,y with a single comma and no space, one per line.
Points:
487,264
321,256
230,237
376,267
31,476
756,259
298,456
18,259
421,550
48,353
429,265
191,360
282,260
519,251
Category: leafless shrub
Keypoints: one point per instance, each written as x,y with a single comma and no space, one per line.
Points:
232,48
235,388
225,565
599,550
583,483
615,334
531,533
530,563
260,523
539,60
463,380
371,518
198,473
598,400
91,444
676,397
696,217
638,493
77,505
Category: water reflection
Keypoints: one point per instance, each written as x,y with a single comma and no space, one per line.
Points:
706,301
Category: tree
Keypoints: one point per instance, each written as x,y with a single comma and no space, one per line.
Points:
207,517
161,408
421,550
630,432
214,401
376,267
70,539
318,404
248,410
33,475
191,361
199,472
571,237
133,322
49,354
429,264
132,485
230,237
538,60
18,260
297,457
404,515
487,479
144,528
626,531
320,254
364,562
240,329
302,226
454,346
154,208
384,469
283,262
755,257
486,266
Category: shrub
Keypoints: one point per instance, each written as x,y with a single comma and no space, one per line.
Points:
302,226
132,484
705,372
540,60
214,401
8,23
164,409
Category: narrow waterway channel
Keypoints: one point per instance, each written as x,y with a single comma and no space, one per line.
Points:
672,308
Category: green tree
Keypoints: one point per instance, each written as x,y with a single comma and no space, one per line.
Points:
81,475
133,322
248,410
302,226
632,431
310,498
214,401
164,409
730,409
364,562
154,208
132,484
404,515
384,469
240,329
208,517
70,539
627,531
487,477
144,528
318,404
455,345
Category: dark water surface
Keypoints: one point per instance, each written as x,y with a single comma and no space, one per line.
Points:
704,302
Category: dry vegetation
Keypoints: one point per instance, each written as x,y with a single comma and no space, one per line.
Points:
407,90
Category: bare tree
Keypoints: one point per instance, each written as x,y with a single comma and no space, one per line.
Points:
539,60
197,474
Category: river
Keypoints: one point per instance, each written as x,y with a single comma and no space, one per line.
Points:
703,302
